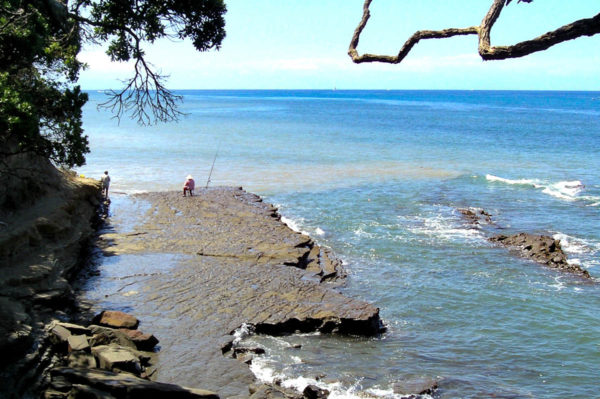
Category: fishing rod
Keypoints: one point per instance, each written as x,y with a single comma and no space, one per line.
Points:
213,166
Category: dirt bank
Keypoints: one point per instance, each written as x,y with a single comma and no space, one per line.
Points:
47,218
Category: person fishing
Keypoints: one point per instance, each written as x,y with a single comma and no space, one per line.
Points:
189,186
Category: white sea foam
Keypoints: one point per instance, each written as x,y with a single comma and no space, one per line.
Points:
574,245
294,225
445,228
241,332
263,371
523,182
319,231
567,190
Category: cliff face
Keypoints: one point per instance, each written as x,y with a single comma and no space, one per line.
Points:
46,219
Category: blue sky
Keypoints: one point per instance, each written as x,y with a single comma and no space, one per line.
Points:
302,44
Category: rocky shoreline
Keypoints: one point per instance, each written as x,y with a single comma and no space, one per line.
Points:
284,283
48,219
237,264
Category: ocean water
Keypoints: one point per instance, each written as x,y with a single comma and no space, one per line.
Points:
379,177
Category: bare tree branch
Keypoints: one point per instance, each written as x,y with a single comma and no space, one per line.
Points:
144,96
582,27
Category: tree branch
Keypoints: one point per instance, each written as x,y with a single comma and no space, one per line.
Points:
144,96
583,27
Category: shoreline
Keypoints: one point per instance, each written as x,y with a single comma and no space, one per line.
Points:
222,259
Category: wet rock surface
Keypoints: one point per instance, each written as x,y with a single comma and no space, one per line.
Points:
542,249
236,263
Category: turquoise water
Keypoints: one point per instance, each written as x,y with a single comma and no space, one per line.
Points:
378,176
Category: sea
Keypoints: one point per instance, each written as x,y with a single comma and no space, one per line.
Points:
380,177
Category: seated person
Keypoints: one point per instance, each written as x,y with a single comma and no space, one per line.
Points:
189,185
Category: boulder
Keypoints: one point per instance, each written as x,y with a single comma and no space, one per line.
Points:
143,342
314,392
78,343
59,336
116,319
75,329
117,358
107,336
121,386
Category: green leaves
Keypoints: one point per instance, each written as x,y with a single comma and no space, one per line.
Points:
40,103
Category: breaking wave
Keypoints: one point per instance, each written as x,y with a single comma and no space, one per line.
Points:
568,190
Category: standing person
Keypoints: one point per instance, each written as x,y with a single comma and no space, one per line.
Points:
189,185
105,179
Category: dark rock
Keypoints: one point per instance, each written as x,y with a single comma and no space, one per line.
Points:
542,249
314,392
416,386
116,319
106,336
243,350
59,336
273,392
475,216
81,360
128,386
143,342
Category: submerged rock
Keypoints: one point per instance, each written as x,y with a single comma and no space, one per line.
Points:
475,215
542,249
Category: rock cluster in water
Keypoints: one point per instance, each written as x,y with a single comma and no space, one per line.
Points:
540,248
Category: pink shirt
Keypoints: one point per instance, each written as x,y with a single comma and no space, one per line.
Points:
190,184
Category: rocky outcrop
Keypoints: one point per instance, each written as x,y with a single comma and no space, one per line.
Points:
101,384
476,216
47,218
229,261
539,248
103,362
542,249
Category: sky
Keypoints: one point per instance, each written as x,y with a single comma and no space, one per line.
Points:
303,44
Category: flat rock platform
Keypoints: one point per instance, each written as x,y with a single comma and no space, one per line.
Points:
229,260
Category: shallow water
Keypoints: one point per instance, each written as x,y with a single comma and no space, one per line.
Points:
378,177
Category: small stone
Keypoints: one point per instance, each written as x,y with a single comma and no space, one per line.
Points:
78,343
144,342
314,392
116,319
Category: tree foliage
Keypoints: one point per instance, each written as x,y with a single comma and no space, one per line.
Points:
582,27
40,102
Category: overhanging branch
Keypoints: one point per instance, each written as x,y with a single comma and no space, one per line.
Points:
583,27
